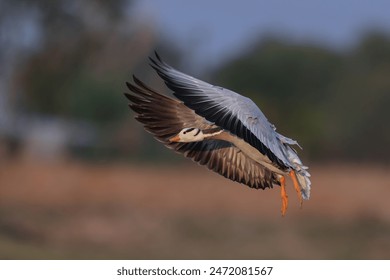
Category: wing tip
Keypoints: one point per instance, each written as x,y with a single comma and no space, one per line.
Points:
157,57
127,95
158,63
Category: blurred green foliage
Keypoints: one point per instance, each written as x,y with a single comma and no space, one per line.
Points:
72,74
335,103
71,90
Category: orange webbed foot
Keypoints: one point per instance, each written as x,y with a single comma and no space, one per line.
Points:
283,195
296,187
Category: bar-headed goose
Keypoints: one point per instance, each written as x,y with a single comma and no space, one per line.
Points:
220,129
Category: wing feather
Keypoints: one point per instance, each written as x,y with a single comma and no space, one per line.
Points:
227,109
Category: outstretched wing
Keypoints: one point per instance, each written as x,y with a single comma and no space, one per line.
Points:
227,109
164,117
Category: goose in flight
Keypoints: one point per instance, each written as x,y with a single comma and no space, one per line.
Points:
220,129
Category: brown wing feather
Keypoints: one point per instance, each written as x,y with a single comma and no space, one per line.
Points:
165,117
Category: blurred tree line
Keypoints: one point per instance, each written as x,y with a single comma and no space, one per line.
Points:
335,103
86,50
75,68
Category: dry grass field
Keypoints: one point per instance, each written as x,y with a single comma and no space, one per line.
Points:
73,210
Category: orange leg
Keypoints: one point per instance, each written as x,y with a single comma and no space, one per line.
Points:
283,194
296,186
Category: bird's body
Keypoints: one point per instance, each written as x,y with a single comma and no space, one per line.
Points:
219,128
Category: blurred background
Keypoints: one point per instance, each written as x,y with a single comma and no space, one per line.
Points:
80,179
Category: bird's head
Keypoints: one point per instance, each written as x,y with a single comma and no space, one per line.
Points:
188,135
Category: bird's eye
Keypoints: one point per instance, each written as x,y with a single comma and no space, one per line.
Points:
188,130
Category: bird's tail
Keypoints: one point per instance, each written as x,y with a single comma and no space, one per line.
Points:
303,176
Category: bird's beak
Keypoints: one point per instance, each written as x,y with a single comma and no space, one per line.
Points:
174,139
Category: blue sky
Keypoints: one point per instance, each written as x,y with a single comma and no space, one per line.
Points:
210,30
